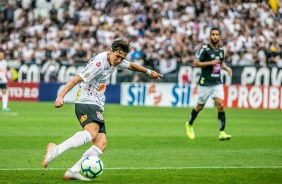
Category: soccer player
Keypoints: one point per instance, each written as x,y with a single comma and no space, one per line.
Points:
211,60
3,82
89,104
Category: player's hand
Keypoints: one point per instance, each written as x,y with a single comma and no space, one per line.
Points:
156,75
59,102
215,61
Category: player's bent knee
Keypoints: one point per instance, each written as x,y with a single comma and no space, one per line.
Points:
93,135
220,107
199,107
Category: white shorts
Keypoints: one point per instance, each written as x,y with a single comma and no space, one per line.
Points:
204,92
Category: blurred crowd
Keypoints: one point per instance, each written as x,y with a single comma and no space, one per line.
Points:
164,34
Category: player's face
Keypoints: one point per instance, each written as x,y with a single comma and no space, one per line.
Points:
214,36
116,57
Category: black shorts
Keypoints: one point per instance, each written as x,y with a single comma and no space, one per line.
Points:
3,86
88,113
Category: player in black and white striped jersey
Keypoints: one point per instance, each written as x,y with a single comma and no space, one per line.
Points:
89,103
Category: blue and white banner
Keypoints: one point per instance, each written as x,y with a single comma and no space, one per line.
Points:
160,94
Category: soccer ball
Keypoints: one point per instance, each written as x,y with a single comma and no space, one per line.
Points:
92,167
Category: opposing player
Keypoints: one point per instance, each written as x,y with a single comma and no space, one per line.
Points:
89,104
211,60
3,82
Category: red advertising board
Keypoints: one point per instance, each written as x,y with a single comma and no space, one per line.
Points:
23,91
252,96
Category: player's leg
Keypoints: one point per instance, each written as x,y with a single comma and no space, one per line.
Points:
94,124
218,96
84,113
194,113
221,113
78,139
5,98
203,95
97,148
99,145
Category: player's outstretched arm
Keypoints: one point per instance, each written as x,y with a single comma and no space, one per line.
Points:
60,99
139,68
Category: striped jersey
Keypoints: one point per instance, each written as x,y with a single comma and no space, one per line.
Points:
3,70
96,75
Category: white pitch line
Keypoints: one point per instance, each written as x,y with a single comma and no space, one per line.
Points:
10,113
150,168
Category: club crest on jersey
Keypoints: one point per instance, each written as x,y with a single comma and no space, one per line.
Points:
83,118
98,64
99,115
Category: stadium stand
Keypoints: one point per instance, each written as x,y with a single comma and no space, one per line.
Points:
164,34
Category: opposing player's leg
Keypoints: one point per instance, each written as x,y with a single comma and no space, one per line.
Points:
189,128
221,119
203,95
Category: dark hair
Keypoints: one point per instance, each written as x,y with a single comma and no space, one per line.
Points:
121,44
215,29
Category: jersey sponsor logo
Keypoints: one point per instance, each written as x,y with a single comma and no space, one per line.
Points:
214,75
98,64
216,68
83,118
99,115
78,94
202,81
86,75
102,87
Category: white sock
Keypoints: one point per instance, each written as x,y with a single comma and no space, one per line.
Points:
92,151
5,101
78,139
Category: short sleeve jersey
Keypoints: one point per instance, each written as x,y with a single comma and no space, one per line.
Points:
3,70
96,75
210,75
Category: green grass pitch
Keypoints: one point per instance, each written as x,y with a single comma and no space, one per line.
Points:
145,145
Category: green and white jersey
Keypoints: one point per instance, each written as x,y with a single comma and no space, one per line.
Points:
96,75
210,75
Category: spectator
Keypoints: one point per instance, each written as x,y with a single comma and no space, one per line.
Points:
81,55
168,64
